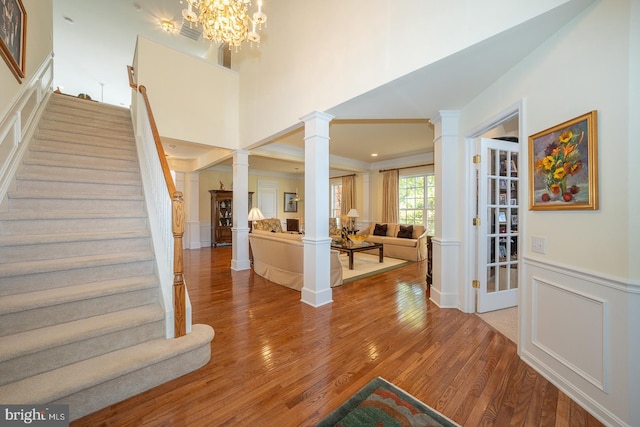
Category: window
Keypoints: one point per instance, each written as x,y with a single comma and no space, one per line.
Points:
336,200
417,201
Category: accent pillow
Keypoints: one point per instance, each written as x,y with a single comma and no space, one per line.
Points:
380,230
406,232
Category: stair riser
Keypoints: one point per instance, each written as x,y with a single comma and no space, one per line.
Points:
39,281
69,205
70,112
88,107
76,173
73,225
57,184
107,393
82,161
82,149
26,320
36,252
59,120
52,358
86,125
126,144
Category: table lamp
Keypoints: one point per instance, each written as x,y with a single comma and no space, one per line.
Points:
352,214
255,215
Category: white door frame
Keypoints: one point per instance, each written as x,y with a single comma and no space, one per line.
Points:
467,293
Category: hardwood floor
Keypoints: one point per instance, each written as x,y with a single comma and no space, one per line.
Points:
278,362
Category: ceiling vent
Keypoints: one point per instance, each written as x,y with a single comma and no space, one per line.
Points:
190,33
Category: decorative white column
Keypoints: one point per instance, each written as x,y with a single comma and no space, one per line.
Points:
446,242
316,290
240,228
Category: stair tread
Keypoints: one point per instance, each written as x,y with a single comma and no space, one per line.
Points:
66,195
34,176
77,103
124,141
72,263
44,148
87,373
35,239
65,294
55,215
74,165
23,343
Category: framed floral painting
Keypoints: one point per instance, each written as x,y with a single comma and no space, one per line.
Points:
13,27
563,171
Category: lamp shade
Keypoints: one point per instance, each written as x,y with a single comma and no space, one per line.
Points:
255,214
353,213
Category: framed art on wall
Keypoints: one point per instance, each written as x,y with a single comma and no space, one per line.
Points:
13,29
563,169
290,205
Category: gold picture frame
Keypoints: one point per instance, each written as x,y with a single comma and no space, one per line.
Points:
563,165
13,31
290,204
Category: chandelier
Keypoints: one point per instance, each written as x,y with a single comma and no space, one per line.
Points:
226,21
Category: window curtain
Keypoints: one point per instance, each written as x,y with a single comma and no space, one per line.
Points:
390,203
348,184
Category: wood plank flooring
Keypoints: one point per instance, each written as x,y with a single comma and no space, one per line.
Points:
278,362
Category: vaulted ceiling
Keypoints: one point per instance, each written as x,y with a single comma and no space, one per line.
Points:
390,121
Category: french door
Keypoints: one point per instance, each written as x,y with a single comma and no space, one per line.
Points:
498,187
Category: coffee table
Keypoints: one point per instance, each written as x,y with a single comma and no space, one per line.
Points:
349,248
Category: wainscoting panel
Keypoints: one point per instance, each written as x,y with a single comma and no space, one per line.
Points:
577,330
558,313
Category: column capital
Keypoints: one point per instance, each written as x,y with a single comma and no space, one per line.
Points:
316,124
446,123
317,115
240,157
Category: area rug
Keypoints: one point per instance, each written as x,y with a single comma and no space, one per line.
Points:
365,265
380,403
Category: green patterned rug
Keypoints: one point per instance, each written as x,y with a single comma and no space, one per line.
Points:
380,403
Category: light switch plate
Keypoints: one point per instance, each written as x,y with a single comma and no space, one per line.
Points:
538,244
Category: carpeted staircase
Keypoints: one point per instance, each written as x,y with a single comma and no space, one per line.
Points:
80,317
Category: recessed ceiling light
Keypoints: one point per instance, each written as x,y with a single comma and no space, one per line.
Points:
374,154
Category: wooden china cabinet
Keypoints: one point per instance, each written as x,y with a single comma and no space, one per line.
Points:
222,215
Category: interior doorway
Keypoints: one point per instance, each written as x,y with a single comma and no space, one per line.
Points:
494,250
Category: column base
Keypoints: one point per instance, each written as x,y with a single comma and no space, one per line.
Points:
316,299
240,265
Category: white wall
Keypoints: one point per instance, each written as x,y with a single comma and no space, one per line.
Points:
192,99
308,46
580,300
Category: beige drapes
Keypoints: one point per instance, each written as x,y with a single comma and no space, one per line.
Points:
348,194
390,203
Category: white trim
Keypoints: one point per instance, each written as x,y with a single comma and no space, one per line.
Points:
602,384
597,278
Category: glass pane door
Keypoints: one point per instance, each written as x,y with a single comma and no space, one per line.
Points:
498,189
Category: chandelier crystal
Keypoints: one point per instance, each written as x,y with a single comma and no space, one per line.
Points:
226,21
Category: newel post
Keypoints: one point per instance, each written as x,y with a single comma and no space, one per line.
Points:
179,305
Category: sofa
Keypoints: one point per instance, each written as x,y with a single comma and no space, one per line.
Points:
399,240
279,258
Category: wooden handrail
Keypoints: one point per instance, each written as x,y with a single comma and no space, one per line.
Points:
132,81
177,216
